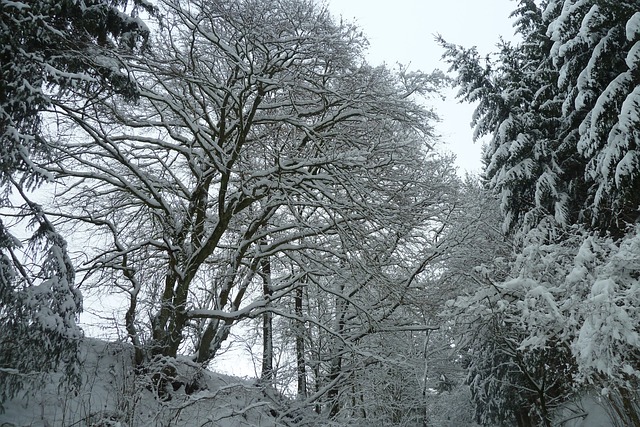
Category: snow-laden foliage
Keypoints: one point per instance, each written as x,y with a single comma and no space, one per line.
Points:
516,94
46,49
607,343
577,297
595,48
511,383
38,314
561,108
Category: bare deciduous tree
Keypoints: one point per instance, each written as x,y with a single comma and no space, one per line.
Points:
262,145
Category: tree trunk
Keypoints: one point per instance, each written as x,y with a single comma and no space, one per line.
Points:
130,318
333,393
266,376
425,377
336,364
301,369
523,418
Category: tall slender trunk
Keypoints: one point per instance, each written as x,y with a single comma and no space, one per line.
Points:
336,363
334,392
316,373
130,319
267,374
301,365
425,378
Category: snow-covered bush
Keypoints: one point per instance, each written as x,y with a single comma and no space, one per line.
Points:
572,305
607,341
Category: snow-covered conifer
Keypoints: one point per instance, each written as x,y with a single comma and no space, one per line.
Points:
47,51
561,110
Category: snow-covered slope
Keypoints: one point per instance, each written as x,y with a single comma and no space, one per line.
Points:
113,395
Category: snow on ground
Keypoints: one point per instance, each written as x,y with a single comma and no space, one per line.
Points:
112,396
586,413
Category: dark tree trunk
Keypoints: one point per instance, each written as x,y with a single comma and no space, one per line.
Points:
301,368
336,364
333,393
266,376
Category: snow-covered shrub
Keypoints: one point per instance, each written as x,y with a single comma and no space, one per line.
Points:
607,342
572,305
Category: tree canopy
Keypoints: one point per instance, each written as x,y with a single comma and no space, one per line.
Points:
264,171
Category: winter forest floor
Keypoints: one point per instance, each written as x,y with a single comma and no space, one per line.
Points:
112,395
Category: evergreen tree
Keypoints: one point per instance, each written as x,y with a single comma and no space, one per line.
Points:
518,106
49,50
561,108
596,51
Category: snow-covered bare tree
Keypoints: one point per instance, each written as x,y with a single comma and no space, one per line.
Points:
260,136
379,297
45,51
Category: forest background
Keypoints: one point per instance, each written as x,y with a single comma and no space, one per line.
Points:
242,162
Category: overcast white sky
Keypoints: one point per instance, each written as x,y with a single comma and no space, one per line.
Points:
403,31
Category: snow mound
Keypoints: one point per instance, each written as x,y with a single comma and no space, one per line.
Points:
113,394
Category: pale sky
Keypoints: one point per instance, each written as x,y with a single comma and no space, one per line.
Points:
403,31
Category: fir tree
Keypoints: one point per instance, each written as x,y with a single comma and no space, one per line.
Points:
49,50
561,108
